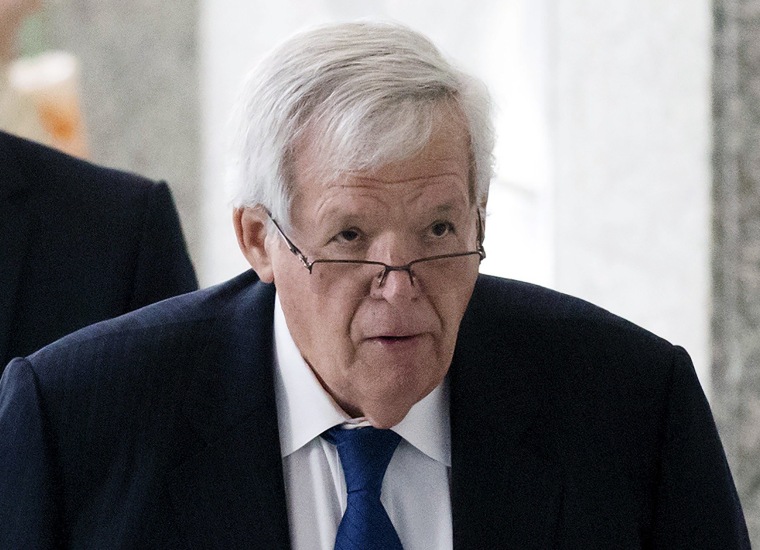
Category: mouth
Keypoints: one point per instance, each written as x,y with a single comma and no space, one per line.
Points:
392,339
395,340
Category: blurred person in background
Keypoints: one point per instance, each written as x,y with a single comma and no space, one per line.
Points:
80,243
364,386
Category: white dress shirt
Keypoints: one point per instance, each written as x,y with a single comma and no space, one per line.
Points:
416,487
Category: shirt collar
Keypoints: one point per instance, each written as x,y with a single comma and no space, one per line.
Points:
305,409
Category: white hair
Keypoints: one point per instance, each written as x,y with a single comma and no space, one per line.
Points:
370,92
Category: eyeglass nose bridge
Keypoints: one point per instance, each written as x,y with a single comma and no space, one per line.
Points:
388,268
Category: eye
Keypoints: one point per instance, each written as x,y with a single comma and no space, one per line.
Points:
441,229
347,236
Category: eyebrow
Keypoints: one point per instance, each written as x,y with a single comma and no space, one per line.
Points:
446,208
449,209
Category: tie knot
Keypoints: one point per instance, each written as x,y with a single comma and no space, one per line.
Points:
364,454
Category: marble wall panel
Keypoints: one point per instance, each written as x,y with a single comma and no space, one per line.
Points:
736,237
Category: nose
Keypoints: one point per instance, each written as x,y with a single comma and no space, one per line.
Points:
391,268
396,280
395,283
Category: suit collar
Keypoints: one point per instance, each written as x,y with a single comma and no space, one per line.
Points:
233,379
235,475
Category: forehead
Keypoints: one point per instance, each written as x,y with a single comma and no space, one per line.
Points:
435,177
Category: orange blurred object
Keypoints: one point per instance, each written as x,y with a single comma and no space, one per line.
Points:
51,81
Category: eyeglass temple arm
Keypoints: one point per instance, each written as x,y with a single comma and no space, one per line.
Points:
481,249
291,246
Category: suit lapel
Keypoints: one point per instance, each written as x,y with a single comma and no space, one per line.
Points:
506,487
230,493
14,234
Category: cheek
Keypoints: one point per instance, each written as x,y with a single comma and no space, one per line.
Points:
450,310
320,327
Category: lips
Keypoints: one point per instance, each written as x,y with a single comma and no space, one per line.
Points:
394,326
389,338
396,341
394,333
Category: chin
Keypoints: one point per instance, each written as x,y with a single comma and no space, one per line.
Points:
397,396
387,416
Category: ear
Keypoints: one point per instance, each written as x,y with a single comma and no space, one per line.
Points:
251,225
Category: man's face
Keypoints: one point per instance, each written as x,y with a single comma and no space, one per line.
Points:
379,348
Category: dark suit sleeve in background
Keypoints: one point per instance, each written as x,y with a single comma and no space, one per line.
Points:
89,243
163,266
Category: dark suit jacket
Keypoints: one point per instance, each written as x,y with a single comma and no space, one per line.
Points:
571,428
79,244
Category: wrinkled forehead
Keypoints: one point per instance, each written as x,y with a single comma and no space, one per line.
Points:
434,178
332,146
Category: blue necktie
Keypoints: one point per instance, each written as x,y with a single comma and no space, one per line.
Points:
365,454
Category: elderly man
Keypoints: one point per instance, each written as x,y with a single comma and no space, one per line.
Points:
365,387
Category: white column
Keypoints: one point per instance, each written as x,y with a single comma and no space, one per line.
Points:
633,162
